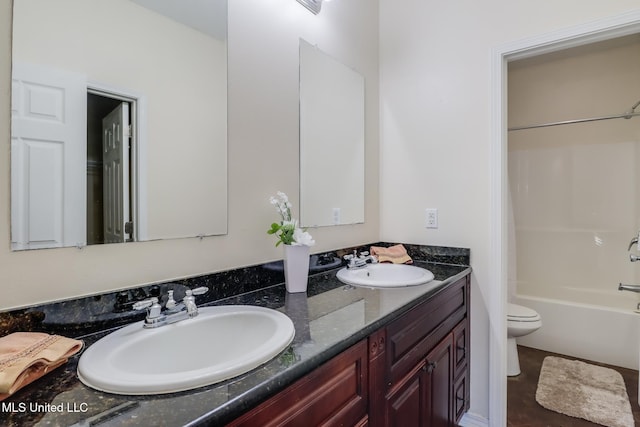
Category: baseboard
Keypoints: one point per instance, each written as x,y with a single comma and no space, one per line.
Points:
473,420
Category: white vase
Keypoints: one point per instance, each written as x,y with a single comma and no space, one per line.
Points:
296,268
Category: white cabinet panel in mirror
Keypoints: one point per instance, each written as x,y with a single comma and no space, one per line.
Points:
119,121
331,140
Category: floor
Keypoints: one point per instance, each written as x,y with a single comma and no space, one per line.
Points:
524,411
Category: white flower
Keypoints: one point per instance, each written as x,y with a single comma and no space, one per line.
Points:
302,238
282,205
287,231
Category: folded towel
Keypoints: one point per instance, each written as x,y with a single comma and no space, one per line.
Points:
26,356
396,254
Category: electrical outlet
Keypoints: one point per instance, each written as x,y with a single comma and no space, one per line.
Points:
431,218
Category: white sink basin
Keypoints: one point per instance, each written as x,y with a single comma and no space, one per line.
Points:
218,344
385,276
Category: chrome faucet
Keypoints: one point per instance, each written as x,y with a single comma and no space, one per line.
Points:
174,311
356,260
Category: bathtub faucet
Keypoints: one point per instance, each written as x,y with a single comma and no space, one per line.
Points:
632,288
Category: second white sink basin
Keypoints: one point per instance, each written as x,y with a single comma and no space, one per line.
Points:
385,276
218,344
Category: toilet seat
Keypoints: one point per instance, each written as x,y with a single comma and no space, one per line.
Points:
519,313
521,321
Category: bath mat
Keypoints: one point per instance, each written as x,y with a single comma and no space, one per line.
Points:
583,390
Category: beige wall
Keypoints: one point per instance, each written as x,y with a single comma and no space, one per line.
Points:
262,158
435,100
575,187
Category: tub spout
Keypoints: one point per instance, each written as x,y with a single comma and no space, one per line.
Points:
632,288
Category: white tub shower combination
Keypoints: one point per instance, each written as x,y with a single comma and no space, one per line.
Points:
606,334
569,233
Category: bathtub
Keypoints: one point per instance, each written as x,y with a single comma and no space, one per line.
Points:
607,333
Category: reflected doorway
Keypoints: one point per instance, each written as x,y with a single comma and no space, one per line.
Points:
110,170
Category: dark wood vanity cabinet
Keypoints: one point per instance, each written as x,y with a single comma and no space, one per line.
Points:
426,362
412,372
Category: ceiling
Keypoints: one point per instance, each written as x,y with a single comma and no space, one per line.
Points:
207,16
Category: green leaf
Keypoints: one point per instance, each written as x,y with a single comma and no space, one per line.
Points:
275,227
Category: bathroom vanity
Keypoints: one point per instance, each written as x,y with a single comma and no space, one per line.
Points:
359,357
414,371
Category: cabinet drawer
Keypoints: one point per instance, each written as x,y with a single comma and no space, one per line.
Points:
460,397
461,347
411,336
336,393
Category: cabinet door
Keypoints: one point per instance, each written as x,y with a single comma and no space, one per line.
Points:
439,384
424,396
405,404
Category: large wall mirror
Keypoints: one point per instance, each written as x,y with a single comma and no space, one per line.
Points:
119,121
331,140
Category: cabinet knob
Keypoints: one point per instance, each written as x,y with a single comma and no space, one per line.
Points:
429,367
463,349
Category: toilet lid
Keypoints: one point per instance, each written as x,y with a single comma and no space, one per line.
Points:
521,313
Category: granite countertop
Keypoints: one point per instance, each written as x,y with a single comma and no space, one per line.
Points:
328,319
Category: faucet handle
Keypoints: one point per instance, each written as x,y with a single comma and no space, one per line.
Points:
141,305
155,309
190,301
197,291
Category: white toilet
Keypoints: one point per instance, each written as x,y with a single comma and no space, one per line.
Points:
520,321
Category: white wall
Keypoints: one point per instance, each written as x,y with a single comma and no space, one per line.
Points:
262,158
435,100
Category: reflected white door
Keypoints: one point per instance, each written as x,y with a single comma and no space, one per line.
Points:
115,152
48,157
